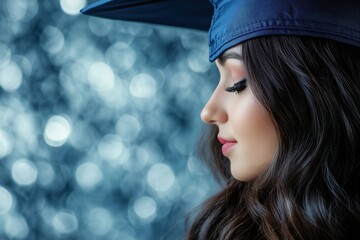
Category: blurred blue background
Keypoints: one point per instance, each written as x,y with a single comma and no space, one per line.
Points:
99,121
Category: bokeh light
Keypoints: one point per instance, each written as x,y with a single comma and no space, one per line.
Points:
99,120
128,127
57,131
101,77
5,55
16,227
6,202
110,147
6,143
99,221
46,173
11,77
17,9
52,39
145,208
88,175
143,86
65,222
72,7
24,172
100,27
121,56
160,177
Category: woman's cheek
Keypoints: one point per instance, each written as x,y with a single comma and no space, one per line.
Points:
253,129
246,118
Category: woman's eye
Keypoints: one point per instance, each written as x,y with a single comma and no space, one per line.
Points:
238,87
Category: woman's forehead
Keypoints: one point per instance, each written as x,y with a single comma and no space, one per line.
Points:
237,48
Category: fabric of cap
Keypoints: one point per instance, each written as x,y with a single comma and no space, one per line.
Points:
237,21
195,14
231,22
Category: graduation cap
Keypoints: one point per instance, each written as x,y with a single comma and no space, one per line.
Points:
195,14
230,22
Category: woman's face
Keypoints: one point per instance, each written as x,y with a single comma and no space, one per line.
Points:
241,120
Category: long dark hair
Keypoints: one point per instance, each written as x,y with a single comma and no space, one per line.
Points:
311,190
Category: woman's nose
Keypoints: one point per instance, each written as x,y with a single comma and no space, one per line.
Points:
214,112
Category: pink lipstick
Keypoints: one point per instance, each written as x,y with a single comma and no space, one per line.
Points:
227,144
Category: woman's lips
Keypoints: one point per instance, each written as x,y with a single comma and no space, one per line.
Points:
227,146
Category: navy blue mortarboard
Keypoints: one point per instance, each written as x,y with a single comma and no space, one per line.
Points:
231,22
195,14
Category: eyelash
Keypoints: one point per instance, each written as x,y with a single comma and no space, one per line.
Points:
237,87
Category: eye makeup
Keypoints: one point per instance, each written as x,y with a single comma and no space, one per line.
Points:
237,87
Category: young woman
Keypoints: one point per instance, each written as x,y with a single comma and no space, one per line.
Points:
291,163
285,117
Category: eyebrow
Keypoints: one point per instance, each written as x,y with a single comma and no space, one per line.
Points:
229,55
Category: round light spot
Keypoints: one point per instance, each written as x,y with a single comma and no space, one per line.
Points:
17,9
72,7
101,77
52,40
6,200
46,173
16,227
100,27
6,144
197,60
11,77
143,86
110,147
57,131
24,63
88,175
32,9
160,177
145,207
5,55
99,221
65,222
24,172
127,55
128,127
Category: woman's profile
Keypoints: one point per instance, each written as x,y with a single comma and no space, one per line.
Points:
284,136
